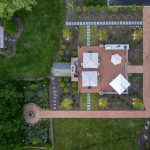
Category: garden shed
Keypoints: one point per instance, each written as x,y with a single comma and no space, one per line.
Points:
61,69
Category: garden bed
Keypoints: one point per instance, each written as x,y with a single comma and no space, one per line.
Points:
104,13
37,92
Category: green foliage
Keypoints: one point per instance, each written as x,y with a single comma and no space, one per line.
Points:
82,35
35,141
95,2
67,34
147,144
78,9
42,30
61,52
70,6
91,8
62,84
74,54
59,79
138,35
66,90
66,104
33,86
94,35
103,102
84,9
75,92
10,27
74,84
114,9
97,8
141,8
11,112
66,79
48,146
7,11
133,8
74,47
64,47
137,103
102,35
36,135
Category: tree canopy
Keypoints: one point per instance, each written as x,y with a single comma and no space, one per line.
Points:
11,115
9,7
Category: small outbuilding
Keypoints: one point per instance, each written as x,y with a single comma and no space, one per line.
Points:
61,69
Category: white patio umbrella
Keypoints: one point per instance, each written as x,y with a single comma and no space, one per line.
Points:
116,59
119,84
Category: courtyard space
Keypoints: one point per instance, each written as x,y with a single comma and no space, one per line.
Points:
107,70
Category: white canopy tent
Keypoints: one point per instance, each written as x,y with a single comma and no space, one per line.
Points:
119,84
116,59
90,60
89,78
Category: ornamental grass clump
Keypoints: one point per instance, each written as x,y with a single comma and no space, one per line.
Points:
66,104
103,102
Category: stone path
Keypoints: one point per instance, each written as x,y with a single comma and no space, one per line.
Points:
53,93
106,23
88,35
88,101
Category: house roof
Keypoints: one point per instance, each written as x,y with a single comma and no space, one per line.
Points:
119,84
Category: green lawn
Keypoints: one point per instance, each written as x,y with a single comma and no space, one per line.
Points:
97,134
83,101
82,35
94,35
42,32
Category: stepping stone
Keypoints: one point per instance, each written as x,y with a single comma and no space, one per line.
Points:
88,108
53,78
54,104
54,107
146,127
54,101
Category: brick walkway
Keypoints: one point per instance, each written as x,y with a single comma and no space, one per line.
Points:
40,114
135,69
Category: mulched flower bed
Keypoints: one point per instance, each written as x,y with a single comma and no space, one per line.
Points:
104,15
